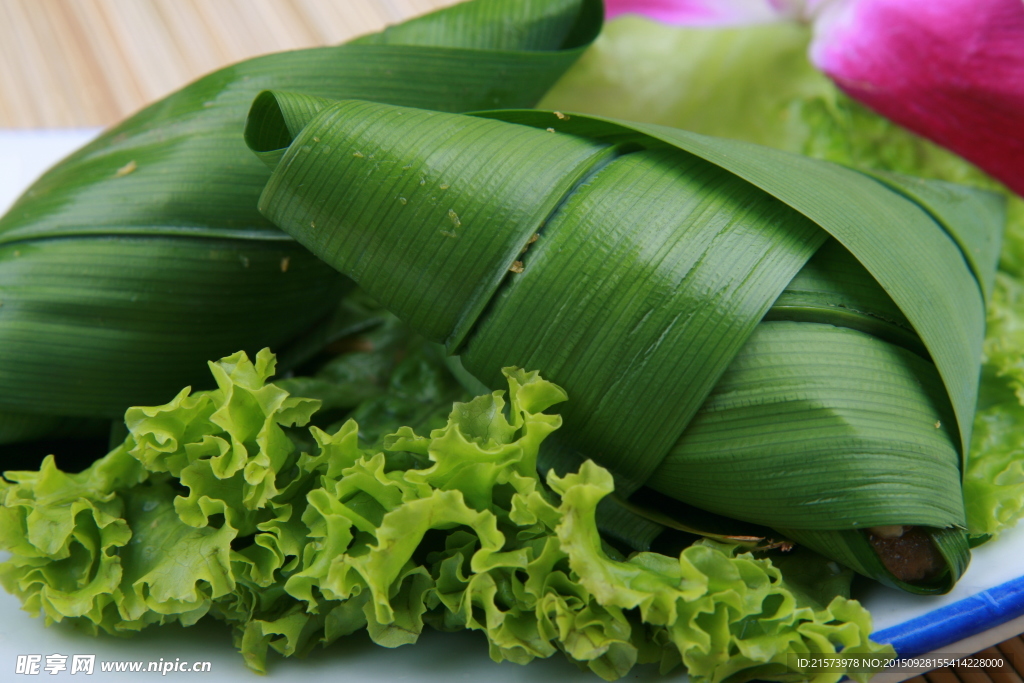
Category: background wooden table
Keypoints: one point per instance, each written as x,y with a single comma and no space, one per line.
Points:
79,63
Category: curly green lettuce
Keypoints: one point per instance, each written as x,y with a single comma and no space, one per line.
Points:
210,507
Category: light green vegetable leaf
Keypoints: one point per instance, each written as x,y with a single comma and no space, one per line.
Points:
454,530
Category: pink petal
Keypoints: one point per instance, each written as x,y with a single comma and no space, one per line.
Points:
701,12
950,70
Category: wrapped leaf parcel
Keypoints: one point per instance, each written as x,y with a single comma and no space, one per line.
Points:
141,256
208,508
755,84
768,337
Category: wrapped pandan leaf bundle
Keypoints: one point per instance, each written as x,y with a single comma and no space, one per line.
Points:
772,338
134,261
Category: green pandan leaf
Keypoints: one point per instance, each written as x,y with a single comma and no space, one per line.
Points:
142,255
756,84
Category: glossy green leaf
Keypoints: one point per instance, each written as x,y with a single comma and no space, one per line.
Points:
142,255
935,291
755,83
644,293
436,193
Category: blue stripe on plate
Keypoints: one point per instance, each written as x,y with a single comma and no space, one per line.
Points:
957,621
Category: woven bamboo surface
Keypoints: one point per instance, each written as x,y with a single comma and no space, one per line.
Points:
92,62
73,63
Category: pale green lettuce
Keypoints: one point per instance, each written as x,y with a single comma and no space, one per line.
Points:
298,536
994,480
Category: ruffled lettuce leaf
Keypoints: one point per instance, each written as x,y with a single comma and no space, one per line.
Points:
755,83
64,533
217,504
994,480
225,445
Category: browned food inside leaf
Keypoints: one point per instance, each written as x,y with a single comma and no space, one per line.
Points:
907,552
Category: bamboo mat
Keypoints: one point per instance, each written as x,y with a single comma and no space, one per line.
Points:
74,63
92,62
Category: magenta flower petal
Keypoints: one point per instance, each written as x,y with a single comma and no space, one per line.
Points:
700,12
950,70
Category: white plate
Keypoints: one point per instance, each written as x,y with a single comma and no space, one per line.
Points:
990,594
